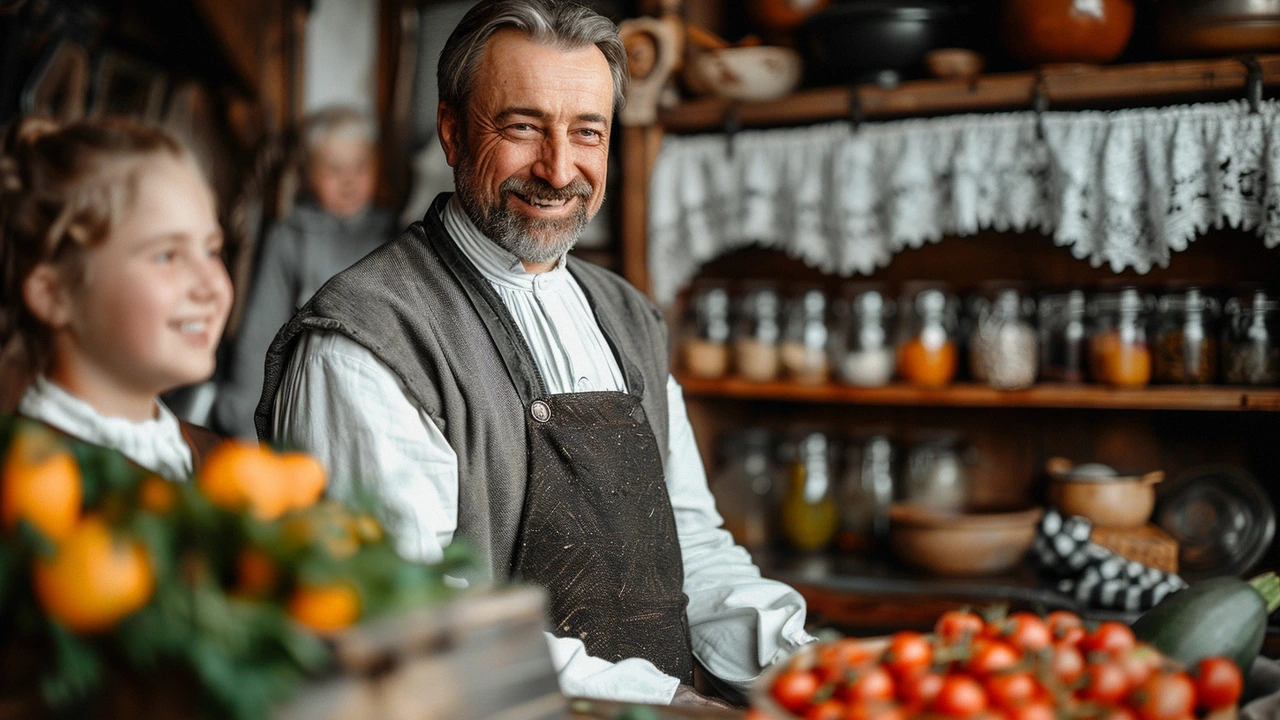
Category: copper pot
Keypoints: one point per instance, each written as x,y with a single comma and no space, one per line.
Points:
1218,27
1067,31
1105,497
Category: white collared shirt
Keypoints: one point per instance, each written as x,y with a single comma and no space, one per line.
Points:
338,401
155,444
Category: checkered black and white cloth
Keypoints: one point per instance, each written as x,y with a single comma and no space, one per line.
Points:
1093,574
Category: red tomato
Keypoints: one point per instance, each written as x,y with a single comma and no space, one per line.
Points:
917,690
1165,696
1110,637
1118,713
956,625
754,714
1105,683
1218,683
908,652
1072,636
875,711
992,656
1067,664
794,689
1027,632
1060,621
869,684
834,660
826,710
960,696
1011,690
1041,710
1139,664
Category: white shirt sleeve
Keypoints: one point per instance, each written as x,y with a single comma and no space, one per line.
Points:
740,622
341,403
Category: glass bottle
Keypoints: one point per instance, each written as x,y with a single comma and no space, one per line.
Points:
863,349
927,347
808,513
1003,348
804,343
744,487
1251,339
1118,351
937,474
1063,337
866,492
705,348
755,345
1187,338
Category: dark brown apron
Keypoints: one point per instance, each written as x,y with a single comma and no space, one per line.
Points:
597,530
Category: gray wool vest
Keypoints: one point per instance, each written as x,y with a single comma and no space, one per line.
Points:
416,304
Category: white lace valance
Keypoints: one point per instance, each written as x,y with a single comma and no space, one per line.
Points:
1125,188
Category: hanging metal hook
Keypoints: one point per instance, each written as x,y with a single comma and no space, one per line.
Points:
732,126
856,114
1252,83
1039,103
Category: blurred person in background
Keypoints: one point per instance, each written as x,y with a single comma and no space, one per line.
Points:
331,228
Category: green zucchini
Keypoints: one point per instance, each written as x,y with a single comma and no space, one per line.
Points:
1223,616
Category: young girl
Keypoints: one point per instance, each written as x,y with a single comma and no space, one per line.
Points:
114,290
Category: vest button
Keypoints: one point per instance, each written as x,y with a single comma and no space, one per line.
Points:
540,411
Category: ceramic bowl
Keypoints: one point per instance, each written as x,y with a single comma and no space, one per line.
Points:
961,544
749,74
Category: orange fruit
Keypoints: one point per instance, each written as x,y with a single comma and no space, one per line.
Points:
41,484
157,494
305,477
95,579
325,608
256,573
241,475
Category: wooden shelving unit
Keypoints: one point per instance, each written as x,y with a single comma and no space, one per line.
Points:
1070,85
1212,398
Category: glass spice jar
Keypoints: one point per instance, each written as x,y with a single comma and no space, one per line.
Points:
1251,339
1003,347
862,347
927,347
1187,338
755,344
937,471
745,487
866,491
804,340
1119,354
808,511
705,348
1063,337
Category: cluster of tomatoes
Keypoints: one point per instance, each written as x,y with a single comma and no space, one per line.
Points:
1017,667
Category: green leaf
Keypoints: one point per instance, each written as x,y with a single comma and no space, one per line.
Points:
76,670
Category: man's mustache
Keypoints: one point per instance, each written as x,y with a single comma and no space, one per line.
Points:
537,187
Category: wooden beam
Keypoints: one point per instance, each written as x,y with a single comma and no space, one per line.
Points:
1070,85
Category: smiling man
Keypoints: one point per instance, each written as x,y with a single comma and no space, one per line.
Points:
490,388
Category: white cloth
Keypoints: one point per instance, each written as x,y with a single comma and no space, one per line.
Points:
155,444
338,401
1125,188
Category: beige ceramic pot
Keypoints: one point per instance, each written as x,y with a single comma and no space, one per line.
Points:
1106,498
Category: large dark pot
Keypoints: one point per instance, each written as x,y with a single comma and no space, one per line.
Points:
875,40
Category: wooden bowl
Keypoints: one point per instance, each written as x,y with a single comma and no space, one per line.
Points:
749,74
966,544
1123,502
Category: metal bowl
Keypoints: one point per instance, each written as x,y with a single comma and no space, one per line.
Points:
874,40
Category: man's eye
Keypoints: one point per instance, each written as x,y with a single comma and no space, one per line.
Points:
522,127
166,257
589,133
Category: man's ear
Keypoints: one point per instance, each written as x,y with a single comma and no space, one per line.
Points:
449,129
46,297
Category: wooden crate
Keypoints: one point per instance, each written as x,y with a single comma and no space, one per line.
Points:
1149,545
480,656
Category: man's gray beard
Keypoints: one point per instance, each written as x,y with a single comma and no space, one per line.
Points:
533,240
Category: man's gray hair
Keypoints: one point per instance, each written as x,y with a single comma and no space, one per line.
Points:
337,121
562,25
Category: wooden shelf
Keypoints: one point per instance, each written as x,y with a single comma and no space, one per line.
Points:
1216,398
1074,85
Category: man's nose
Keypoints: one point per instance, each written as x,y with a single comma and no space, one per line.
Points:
555,162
